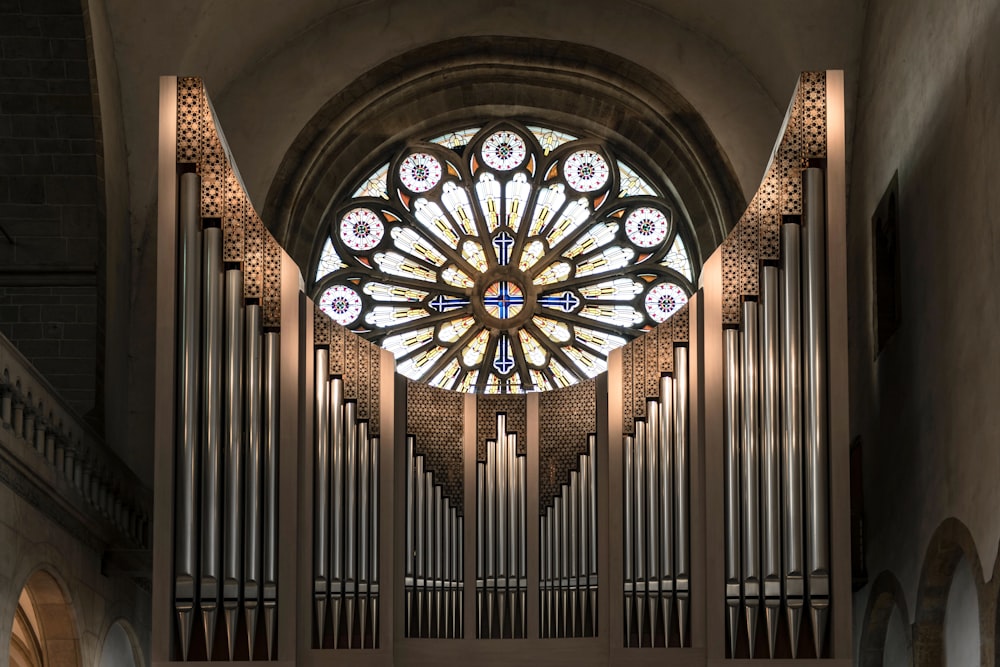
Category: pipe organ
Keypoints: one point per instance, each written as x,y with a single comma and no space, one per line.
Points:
688,503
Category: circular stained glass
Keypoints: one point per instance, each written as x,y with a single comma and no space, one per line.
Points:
503,299
586,171
341,303
420,172
503,150
361,229
500,280
646,227
663,300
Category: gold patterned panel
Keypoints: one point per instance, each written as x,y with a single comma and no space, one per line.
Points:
770,218
213,167
374,418
436,420
681,324
364,379
566,418
351,343
813,86
253,247
272,281
321,327
337,336
652,363
638,378
628,420
189,101
665,343
488,406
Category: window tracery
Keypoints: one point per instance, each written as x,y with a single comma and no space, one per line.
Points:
503,259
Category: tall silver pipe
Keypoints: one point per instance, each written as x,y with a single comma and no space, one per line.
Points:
271,440
448,552
731,440
639,500
351,481
816,439
573,547
252,496
770,443
188,326
583,502
652,491
364,477
373,459
211,436
750,469
627,467
543,549
514,494
480,518
792,405
321,481
501,501
337,455
418,515
438,536
490,497
410,499
558,549
592,499
233,552
522,514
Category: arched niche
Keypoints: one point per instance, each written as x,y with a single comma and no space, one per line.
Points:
119,648
45,631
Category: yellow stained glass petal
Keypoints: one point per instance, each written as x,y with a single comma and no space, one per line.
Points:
452,330
576,214
517,194
456,201
488,191
608,259
539,380
456,277
553,273
446,378
596,236
586,362
550,200
388,316
407,342
415,244
473,252
415,367
474,352
617,315
468,383
556,331
534,353
396,264
430,215
384,292
532,253
598,340
617,289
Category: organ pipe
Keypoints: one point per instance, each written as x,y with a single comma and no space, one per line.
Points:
681,484
791,339
770,456
321,483
233,525
750,470
271,439
189,325
815,396
211,426
731,454
252,498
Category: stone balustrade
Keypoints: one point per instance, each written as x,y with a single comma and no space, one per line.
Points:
50,455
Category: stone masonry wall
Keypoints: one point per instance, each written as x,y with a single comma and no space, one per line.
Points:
49,194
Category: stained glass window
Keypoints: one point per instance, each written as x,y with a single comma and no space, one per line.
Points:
504,259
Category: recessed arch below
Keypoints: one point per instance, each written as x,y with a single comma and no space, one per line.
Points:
49,629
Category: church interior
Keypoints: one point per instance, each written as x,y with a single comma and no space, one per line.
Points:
306,308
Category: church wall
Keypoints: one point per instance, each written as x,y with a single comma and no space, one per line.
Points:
49,204
925,407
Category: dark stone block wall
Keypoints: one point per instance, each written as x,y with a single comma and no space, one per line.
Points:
50,202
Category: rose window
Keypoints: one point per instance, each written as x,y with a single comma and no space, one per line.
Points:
505,259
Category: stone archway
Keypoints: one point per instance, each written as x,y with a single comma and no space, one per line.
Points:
45,631
951,543
119,648
885,600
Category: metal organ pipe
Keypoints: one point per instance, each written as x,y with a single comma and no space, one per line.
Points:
189,325
666,501
683,573
271,439
815,441
252,498
770,442
750,470
211,471
322,490
731,454
791,339
233,551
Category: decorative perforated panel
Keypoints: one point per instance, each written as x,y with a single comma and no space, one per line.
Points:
565,418
435,418
487,409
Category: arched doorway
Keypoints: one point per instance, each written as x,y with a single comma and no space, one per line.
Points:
44,632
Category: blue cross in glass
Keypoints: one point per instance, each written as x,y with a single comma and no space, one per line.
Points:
504,361
442,303
504,243
567,301
506,298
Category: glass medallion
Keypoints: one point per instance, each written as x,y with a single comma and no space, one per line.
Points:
503,299
503,150
341,303
646,227
663,300
506,268
586,171
361,229
420,172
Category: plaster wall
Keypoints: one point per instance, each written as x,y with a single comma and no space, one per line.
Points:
925,408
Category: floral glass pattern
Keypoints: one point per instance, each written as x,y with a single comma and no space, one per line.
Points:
504,259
